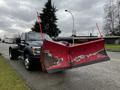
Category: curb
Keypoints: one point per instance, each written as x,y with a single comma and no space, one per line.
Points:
112,50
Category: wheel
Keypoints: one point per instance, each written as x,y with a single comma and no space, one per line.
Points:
13,54
27,63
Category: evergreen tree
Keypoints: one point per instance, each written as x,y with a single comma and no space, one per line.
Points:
49,21
36,27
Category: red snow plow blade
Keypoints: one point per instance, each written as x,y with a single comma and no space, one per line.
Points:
56,57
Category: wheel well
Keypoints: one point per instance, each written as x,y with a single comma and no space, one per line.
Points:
25,53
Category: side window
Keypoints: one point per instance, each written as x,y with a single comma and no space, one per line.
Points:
23,36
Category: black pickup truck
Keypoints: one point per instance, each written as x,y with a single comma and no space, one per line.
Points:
28,48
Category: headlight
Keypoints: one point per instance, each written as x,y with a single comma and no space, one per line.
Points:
36,50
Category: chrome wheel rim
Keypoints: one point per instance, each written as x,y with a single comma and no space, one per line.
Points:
27,63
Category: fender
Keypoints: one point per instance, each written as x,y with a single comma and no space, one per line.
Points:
28,50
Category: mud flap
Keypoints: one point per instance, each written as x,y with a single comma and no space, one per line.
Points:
59,57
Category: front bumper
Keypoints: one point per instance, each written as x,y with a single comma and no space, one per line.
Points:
35,59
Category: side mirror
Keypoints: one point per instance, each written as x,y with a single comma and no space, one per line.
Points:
18,40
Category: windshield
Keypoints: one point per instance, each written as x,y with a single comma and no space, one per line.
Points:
37,37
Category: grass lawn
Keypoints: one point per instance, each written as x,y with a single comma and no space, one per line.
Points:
112,47
9,79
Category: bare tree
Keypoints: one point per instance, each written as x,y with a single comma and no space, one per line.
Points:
109,17
112,17
117,28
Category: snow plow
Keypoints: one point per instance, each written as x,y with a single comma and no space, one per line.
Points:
57,57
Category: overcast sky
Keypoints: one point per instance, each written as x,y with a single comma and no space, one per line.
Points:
20,15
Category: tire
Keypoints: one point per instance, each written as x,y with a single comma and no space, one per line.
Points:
28,63
13,54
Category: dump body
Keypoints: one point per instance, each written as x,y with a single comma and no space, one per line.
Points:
56,56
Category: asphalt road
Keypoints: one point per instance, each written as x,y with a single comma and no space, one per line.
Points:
101,76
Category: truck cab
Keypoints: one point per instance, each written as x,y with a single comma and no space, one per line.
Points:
28,48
